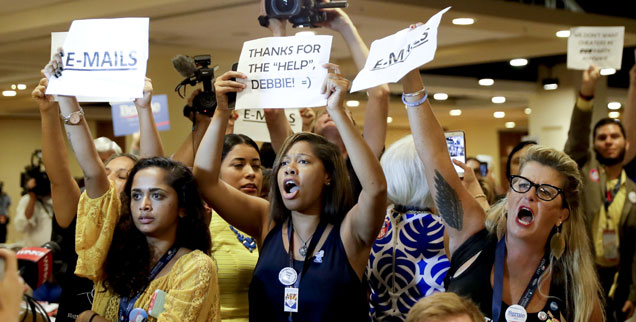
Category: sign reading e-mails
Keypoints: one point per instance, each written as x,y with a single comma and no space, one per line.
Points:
104,58
392,57
284,72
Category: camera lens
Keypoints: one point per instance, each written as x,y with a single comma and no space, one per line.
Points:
284,6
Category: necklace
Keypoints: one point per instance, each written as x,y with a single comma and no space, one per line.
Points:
303,249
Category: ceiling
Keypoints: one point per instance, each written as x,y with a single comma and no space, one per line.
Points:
503,30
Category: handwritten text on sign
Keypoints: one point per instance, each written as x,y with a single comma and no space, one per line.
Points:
104,58
284,72
251,122
392,57
601,46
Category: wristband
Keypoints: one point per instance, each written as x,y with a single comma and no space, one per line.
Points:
417,103
92,317
263,21
480,195
587,98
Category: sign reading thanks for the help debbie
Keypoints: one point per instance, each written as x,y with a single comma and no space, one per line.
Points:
104,58
601,46
251,122
392,57
284,72
126,120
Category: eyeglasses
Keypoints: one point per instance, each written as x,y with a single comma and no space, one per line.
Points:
544,191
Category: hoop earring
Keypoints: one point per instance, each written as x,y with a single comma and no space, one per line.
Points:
557,243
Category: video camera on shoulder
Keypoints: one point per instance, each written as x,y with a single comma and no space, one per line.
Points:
301,13
197,70
35,171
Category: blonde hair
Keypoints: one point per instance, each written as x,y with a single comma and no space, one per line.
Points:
405,177
574,271
440,306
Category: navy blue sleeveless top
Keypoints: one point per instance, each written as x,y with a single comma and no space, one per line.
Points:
329,291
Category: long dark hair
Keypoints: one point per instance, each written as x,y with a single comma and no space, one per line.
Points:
128,263
336,197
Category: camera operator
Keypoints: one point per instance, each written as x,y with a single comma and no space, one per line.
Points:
35,211
5,202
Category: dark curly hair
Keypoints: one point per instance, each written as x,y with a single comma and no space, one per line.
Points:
337,197
128,263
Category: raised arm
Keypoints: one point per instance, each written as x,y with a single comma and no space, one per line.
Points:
629,117
150,142
462,214
186,152
64,190
247,213
375,125
80,138
577,145
361,225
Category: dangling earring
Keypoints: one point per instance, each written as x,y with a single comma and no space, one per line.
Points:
557,243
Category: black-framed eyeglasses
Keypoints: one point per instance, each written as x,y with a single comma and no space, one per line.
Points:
544,191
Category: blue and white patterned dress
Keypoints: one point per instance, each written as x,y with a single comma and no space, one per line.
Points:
407,263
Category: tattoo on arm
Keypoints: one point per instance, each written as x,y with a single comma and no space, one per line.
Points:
448,203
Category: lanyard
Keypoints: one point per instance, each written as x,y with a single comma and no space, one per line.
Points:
312,245
610,194
497,291
125,303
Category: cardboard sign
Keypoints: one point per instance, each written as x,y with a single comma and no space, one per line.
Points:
126,120
601,46
392,57
284,72
251,122
104,58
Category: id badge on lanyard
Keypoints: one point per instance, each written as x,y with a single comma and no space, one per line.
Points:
610,244
291,299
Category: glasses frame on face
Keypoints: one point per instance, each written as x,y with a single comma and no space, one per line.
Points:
536,186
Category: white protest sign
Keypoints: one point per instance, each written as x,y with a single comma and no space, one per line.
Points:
601,46
284,72
251,122
57,41
392,57
104,58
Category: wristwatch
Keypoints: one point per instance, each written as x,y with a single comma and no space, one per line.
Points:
73,118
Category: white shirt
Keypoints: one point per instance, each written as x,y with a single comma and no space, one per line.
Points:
36,230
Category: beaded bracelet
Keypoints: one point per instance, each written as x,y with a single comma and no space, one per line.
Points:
417,103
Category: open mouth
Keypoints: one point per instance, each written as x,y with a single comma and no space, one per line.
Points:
525,217
290,187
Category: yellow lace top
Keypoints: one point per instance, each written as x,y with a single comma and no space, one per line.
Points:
191,285
236,267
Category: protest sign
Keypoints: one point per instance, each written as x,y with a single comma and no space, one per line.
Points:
57,41
251,122
104,58
601,46
284,72
392,57
126,120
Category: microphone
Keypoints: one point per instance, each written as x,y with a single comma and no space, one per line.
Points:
184,65
35,264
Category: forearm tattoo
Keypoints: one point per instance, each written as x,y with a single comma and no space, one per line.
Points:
448,203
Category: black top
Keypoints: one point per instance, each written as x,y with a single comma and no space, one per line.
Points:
77,292
328,291
474,282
